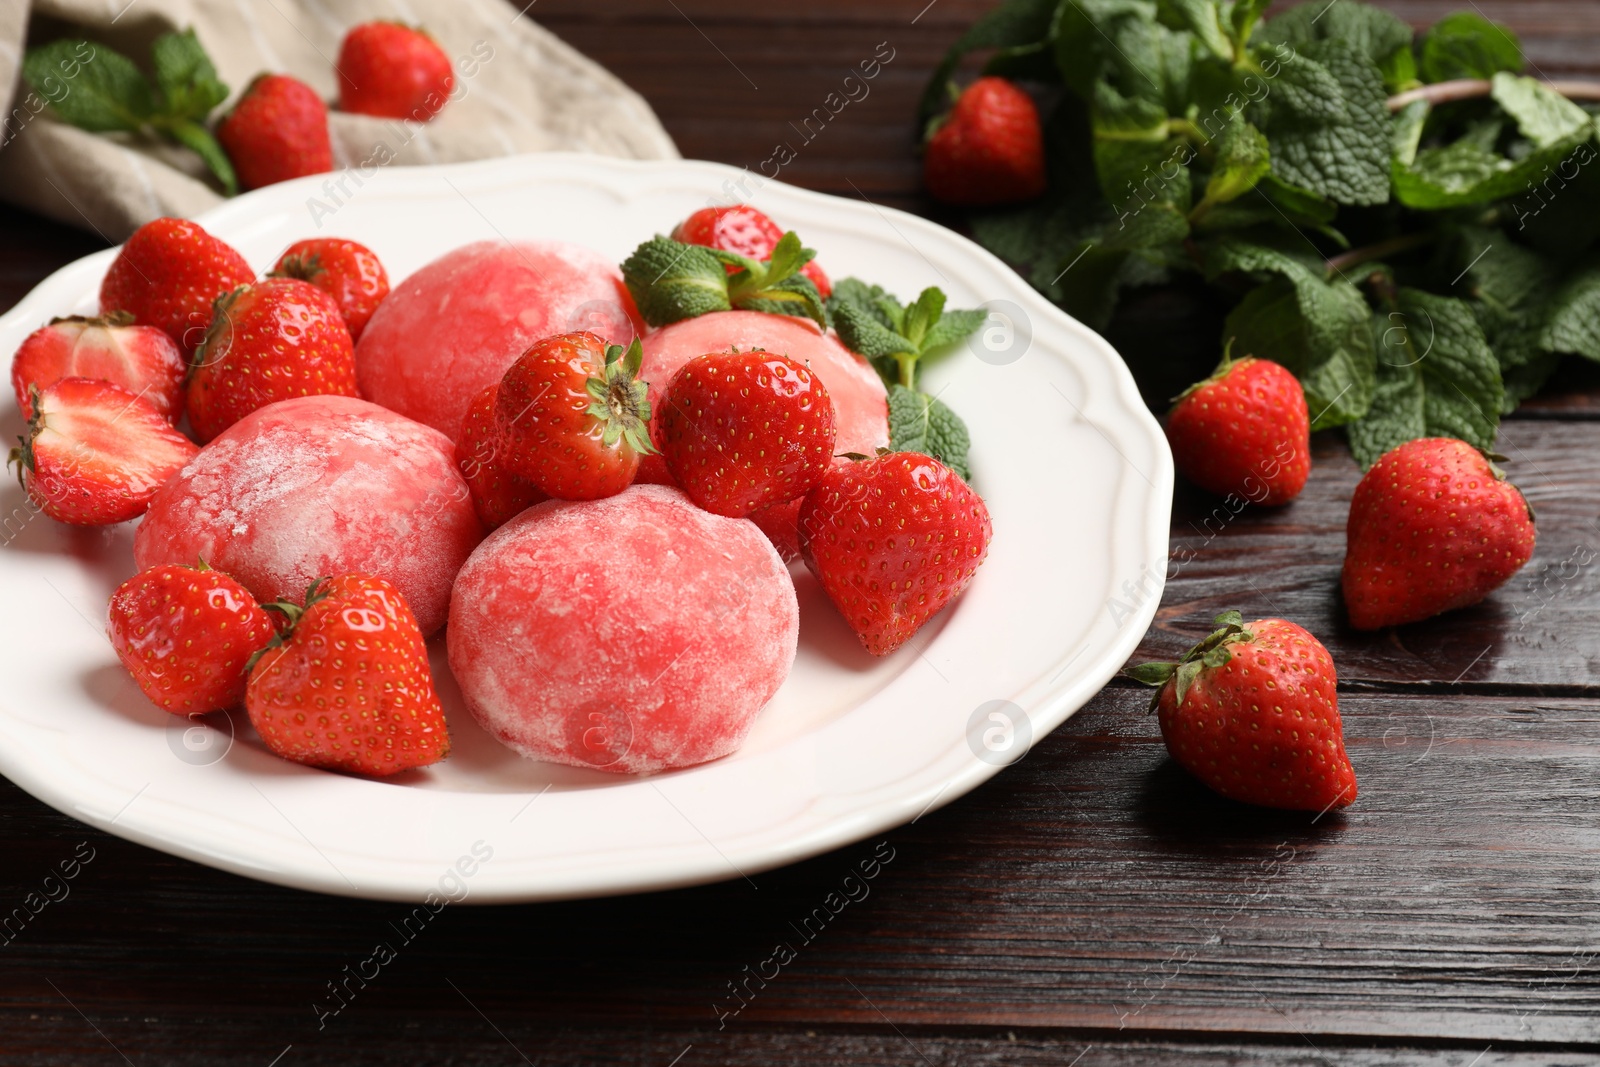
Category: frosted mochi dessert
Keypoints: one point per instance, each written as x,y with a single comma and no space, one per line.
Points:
454,326
319,486
860,402
632,634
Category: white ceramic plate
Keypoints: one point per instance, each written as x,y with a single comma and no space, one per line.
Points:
1075,471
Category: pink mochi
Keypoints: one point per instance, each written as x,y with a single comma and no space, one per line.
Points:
316,487
860,402
454,326
632,634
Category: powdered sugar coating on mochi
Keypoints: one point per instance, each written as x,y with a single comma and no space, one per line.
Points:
320,486
631,634
454,326
860,402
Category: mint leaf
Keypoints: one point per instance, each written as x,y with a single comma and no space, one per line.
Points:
894,338
1320,330
1544,116
921,423
1465,45
1436,377
199,140
1242,160
1572,319
1337,145
185,76
1371,31
103,92
1086,38
671,281
1203,18
954,326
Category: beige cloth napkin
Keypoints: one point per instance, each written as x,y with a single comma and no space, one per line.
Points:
520,90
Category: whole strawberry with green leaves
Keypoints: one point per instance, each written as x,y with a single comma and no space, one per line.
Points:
989,149
1245,430
346,684
1253,712
272,340
1433,526
572,417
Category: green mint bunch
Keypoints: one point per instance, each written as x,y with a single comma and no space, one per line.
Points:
895,338
671,281
1406,222
97,89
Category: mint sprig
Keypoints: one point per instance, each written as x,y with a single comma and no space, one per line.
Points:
100,90
895,338
672,281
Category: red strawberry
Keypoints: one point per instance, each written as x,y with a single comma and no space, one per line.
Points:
893,540
277,131
1253,712
393,71
1433,526
168,274
270,341
346,686
742,229
347,271
572,417
95,453
989,149
497,495
185,634
741,430
141,359
1244,430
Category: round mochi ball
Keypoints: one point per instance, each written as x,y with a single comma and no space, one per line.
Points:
316,487
454,326
631,634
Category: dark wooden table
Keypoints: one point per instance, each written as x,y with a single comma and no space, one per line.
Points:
1091,905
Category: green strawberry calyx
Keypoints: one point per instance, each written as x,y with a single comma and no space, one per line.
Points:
620,400
1211,653
292,613
303,268
1223,370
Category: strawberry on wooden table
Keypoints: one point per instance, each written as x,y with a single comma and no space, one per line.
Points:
168,274
742,430
141,359
743,229
573,417
892,540
347,271
185,634
1433,526
273,340
1245,430
346,684
1253,712
393,71
497,494
989,149
277,131
96,454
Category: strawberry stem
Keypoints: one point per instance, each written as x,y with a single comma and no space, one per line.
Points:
1210,653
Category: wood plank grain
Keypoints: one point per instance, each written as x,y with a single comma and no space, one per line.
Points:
1537,630
1093,888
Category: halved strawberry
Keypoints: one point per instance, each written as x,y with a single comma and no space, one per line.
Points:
141,359
95,453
